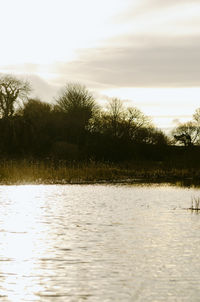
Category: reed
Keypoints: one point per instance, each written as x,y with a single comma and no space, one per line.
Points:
52,172
195,204
26,171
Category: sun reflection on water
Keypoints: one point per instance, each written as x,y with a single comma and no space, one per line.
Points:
22,240
93,243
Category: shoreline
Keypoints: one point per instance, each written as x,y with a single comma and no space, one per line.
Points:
186,182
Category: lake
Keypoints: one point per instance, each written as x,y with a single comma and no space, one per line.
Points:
99,243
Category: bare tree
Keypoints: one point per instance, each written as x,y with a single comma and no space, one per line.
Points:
115,114
12,90
115,108
76,98
77,105
122,122
134,120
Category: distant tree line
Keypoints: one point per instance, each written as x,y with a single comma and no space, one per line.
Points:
76,128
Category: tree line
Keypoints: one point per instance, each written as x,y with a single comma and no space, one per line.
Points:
75,127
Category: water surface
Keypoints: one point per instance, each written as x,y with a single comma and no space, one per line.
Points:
99,243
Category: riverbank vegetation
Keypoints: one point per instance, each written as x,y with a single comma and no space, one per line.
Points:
75,140
62,172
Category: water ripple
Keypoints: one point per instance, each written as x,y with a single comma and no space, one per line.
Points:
98,243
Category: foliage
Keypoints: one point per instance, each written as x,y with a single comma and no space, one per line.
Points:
187,133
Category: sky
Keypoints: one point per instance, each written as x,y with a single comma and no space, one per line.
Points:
145,52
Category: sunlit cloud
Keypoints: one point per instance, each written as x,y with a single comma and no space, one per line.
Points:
104,45
145,61
48,31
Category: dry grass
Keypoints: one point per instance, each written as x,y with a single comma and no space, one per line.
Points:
27,171
51,172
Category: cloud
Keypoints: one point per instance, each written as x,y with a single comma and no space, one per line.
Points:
126,61
176,122
139,61
40,88
144,7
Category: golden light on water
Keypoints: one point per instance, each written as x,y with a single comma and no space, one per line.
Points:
22,237
90,243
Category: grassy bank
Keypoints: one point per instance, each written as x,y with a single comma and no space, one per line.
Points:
26,171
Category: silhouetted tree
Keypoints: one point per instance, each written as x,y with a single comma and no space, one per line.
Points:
151,135
114,115
120,122
133,121
78,106
12,90
186,133
38,124
77,101
76,128
34,109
